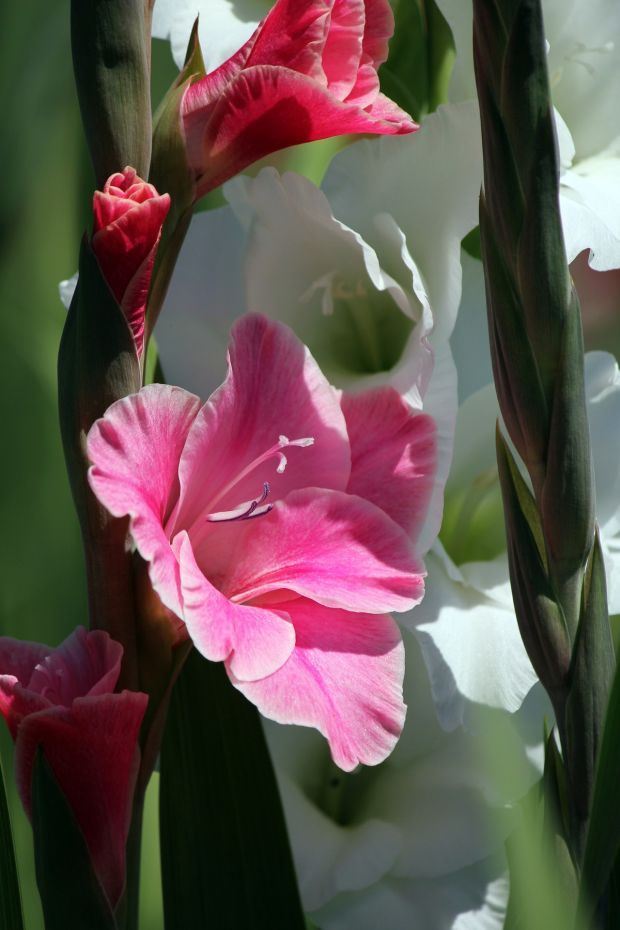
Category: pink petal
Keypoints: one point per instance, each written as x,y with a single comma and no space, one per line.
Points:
366,88
125,251
393,455
16,702
135,450
19,658
379,30
345,678
255,641
334,548
17,662
92,750
293,35
267,108
385,110
84,664
202,94
343,49
274,387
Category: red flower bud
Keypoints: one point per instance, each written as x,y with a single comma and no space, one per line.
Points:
62,700
128,216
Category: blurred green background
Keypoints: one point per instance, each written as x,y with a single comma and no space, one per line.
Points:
45,196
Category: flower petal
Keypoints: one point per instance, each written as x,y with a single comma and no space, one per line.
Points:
470,899
135,450
393,455
292,36
84,664
203,301
343,48
331,858
267,108
254,640
19,658
334,548
590,202
434,206
92,751
274,388
344,677
461,631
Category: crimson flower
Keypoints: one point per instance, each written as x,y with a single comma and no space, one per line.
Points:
62,700
308,72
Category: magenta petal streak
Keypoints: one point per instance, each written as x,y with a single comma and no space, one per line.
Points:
268,537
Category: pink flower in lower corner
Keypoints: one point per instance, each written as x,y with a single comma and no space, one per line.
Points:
62,701
128,215
308,72
278,524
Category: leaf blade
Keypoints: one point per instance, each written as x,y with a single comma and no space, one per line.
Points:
10,898
226,861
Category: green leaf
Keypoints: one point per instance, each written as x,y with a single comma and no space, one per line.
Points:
541,622
404,76
603,839
10,899
71,894
226,861
441,54
592,674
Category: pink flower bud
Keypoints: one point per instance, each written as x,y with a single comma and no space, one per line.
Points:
128,216
308,72
62,701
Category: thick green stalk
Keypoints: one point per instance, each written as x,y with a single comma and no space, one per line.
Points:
537,350
111,45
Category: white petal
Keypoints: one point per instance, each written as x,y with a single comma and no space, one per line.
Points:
584,68
471,645
590,201
206,295
478,893
434,205
330,858
584,64
603,395
440,401
223,28
470,339
306,267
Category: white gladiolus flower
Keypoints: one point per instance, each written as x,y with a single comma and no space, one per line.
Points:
366,265
415,842
584,69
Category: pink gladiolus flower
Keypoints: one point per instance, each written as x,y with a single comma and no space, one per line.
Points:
308,72
128,216
61,700
278,524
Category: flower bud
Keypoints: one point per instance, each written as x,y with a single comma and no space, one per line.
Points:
62,701
128,216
